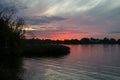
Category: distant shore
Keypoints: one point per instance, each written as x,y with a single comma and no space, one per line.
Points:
74,41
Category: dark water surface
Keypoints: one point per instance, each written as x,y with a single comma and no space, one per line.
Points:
85,62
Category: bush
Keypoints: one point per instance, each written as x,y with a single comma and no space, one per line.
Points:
45,50
11,32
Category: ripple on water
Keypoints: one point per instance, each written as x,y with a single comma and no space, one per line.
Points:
76,69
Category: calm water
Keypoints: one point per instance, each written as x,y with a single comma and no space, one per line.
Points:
85,62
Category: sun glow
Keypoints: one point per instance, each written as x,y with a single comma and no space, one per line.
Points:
63,35
28,28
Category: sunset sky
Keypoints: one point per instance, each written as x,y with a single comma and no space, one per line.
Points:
68,19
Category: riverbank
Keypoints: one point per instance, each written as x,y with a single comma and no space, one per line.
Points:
45,50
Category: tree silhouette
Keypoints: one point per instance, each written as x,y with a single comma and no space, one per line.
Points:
11,32
85,40
118,41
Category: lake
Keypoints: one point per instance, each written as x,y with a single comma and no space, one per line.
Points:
85,62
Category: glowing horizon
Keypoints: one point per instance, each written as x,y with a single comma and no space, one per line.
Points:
69,19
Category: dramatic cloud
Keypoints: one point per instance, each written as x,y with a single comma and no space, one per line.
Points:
96,18
40,20
11,4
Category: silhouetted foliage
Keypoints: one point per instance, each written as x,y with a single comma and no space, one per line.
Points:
73,41
11,32
113,41
10,67
45,50
118,41
11,37
85,41
105,40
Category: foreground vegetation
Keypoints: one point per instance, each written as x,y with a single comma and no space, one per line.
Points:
13,46
13,42
45,50
10,67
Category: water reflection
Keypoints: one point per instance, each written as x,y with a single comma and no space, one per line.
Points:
85,62
96,54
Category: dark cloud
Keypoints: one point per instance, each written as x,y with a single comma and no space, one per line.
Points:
74,16
39,20
11,5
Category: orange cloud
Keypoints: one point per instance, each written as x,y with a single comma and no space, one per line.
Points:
62,35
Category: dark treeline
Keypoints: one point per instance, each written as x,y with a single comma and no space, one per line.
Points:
11,41
11,33
73,41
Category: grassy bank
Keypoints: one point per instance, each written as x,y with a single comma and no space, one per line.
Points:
46,50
